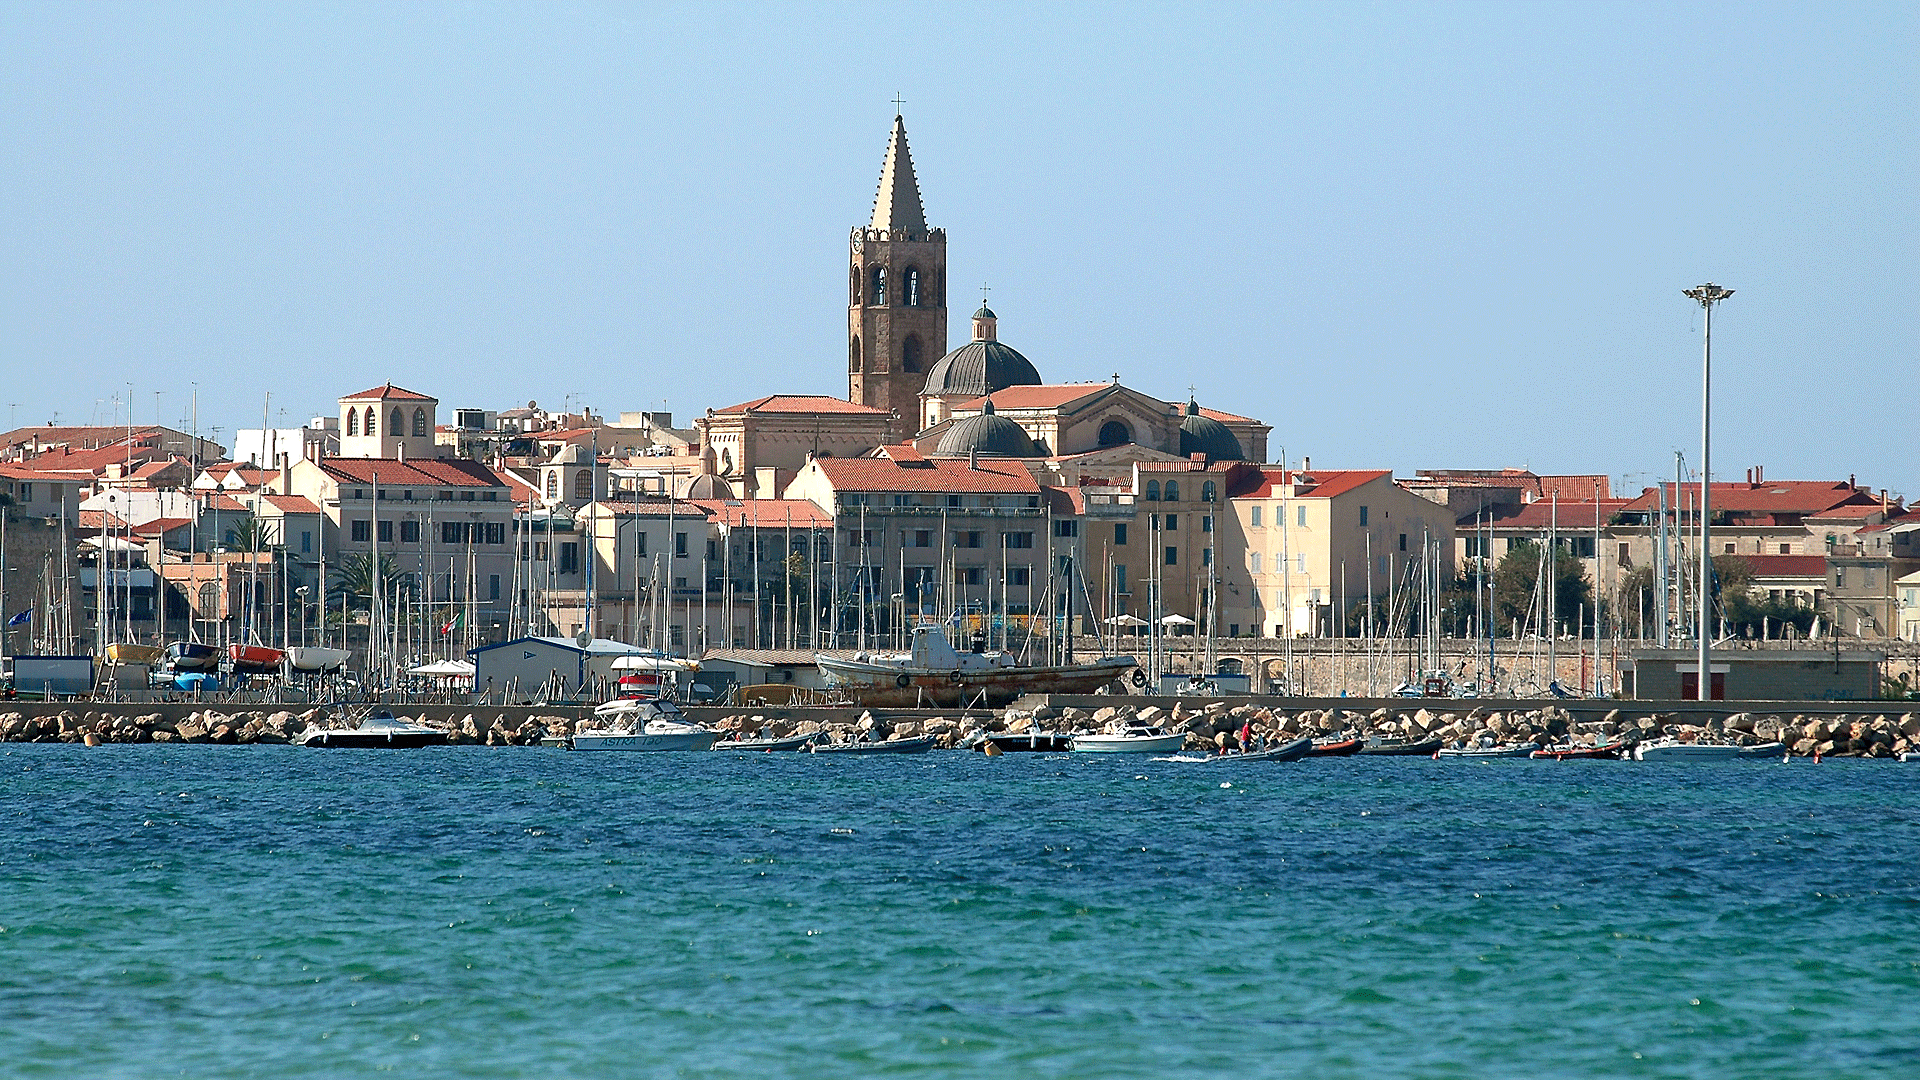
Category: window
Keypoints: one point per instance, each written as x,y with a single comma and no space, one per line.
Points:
1119,536
1171,523
1729,549
1300,563
1206,523
1206,556
1173,556
853,353
1786,549
583,485
1017,539
1115,433
1403,541
1207,491
362,531
1474,547
353,421
1153,491
420,429
496,532
1380,565
1867,578
879,290
1019,575
640,543
306,543
679,545
1253,562
399,425
409,532
971,575
1253,517
903,500
1173,491
1066,527
1624,558
541,552
913,292
953,502
966,539
569,558
386,531
1363,515
466,496
493,586
1120,578
553,484
26,493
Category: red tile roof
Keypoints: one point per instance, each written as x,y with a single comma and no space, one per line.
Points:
801,403
1787,565
936,476
1068,502
1051,396
389,391
1216,414
423,472
159,526
766,513
1264,483
1572,516
1774,497
292,504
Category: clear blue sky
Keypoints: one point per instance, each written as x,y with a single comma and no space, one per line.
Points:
1405,235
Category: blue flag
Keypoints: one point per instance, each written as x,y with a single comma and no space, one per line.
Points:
20,619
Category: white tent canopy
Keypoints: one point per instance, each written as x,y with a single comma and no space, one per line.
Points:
444,669
654,663
1176,619
1125,620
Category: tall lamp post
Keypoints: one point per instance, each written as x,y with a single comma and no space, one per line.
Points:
1706,296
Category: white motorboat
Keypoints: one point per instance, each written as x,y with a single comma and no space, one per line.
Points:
381,730
1134,739
1675,750
312,658
643,724
1510,750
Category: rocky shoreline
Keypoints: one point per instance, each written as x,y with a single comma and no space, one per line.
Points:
1874,735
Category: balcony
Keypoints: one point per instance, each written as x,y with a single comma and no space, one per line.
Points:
1110,506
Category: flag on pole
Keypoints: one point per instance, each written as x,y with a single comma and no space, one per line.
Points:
20,619
452,624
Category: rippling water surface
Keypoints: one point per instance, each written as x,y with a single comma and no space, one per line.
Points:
211,911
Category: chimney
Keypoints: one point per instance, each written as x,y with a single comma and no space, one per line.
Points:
1760,474
400,451
1306,464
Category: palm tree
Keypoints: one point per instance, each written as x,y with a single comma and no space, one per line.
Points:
242,534
353,579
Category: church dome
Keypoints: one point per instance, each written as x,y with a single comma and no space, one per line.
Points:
1205,435
979,368
709,486
986,434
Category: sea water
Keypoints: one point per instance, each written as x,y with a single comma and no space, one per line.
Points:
212,911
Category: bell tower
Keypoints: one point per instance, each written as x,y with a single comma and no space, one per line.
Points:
897,295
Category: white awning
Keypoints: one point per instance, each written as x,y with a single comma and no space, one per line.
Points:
1176,620
654,663
444,669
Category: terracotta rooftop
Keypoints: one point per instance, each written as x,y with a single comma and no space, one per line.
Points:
1787,565
1265,483
801,403
934,476
1773,497
766,513
425,472
388,392
1573,516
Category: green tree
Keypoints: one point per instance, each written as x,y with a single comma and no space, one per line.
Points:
1513,588
241,533
353,580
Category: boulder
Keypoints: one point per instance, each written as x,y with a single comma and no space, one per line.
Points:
192,729
1150,714
225,733
163,735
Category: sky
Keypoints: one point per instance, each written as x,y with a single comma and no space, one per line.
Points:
1405,235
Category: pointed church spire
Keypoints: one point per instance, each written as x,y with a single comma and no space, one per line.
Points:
898,204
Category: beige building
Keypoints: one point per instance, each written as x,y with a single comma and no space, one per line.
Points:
758,446
388,422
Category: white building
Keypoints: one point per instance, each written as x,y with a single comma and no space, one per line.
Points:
274,447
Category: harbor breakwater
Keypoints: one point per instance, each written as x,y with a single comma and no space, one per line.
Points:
1859,732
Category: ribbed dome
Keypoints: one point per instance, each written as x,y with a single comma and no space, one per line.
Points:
709,486
979,368
987,435
1205,435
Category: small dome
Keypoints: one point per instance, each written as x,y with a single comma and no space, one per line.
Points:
1205,435
570,454
709,486
985,312
979,368
987,435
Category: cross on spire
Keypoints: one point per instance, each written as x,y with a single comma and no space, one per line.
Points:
897,102
983,293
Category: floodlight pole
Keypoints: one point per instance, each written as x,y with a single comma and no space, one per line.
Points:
1706,296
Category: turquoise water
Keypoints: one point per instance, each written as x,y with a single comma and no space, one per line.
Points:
210,911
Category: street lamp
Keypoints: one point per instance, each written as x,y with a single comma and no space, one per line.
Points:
302,592
1706,296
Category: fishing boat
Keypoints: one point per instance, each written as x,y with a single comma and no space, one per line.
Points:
1336,748
125,652
1031,742
1675,750
1132,739
254,659
309,658
380,730
918,745
1423,748
791,742
191,656
1569,752
1509,750
643,724
935,673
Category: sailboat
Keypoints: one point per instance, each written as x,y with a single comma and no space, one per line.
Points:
937,673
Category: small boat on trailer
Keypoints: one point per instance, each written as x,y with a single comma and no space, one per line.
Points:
1335,748
1423,748
184,656
791,742
919,745
254,659
309,658
935,673
379,730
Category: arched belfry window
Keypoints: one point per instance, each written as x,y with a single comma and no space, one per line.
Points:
879,290
353,421
1115,433
1173,491
910,350
1207,491
853,353
372,421
399,425
913,287
1153,491
853,286
419,423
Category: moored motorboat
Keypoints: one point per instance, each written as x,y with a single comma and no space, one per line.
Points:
919,745
1510,750
935,673
310,658
791,742
254,659
1028,742
1767,750
643,724
125,652
1675,750
380,730
1335,748
1293,750
1423,748
1579,753
1134,739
